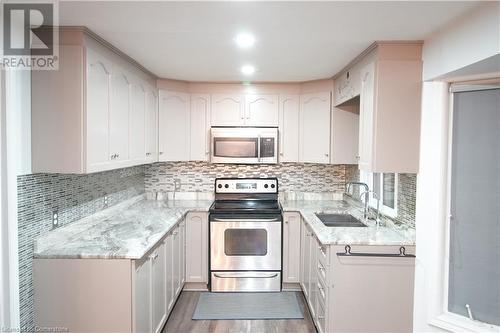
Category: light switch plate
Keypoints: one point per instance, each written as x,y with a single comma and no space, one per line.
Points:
55,219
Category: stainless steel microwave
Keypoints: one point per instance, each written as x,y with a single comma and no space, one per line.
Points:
244,145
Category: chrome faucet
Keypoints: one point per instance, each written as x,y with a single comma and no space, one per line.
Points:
177,186
366,193
375,195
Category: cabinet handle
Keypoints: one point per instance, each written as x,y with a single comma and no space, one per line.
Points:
326,155
160,153
175,232
148,154
153,256
321,317
358,157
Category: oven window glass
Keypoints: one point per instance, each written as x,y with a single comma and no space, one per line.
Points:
245,242
236,147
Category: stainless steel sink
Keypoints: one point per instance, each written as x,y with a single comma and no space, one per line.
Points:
339,220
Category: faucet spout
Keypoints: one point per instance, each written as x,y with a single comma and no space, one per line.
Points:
366,193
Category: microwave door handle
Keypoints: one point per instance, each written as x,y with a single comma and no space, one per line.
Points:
258,148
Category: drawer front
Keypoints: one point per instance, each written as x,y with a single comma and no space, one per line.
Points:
322,292
321,272
321,318
323,253
246,281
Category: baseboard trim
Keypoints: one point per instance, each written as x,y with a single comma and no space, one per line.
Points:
195,286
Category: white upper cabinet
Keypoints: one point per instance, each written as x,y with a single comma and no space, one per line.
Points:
289,106
228,110
119,115
244,110
261,110
174,124
151,125
200,127
366,110
345,132
98,84
137,137
89,115
314,145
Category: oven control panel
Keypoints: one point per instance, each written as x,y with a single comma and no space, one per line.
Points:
246,185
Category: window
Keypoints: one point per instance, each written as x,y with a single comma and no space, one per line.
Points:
473,265
386,187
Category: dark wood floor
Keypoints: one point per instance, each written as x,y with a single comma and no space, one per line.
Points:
180,320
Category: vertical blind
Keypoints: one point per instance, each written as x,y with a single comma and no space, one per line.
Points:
474,266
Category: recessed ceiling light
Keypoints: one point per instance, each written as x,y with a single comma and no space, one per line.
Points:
248,69
245,40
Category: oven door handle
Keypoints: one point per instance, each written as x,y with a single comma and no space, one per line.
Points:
250,276
246,220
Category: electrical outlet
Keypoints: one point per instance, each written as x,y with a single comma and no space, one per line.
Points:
55,219
105,200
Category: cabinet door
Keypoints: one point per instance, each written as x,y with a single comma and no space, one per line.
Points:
313,275
366,114
345,136
169,268
197,247
289,128
261,110
315,128
151,125
142,300
291,247
227,110
182,245
137,138
200,127
158,281
97,112
174,126
119,115
176,269
304,259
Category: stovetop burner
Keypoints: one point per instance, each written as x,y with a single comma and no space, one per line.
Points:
247,206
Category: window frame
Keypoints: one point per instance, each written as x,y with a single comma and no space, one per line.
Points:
367,177
446,319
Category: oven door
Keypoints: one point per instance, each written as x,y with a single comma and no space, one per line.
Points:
245,245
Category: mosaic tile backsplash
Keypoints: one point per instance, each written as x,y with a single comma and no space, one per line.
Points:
73,197
200,176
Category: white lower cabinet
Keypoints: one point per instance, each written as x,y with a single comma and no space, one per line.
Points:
197,247
371,291
158,288
291,247
142,296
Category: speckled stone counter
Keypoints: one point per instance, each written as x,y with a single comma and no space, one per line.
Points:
128,230
389,234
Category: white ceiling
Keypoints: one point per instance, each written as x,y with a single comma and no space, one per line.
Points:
296,41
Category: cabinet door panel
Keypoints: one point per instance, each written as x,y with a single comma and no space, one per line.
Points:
159,299
174,126
291,247
176,262
289,128
151,125
200,127
142,302
197,247
261,110
227,110
98,84
119,115
169,268
315,128
138,123
366,114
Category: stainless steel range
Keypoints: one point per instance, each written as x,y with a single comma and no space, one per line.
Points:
245,235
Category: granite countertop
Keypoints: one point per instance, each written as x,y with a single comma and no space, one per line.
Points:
125,231
389,234
132,228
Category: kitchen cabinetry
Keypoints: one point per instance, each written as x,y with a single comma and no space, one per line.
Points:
347,85
289,106
174,124
291,247
314,144
120,295
89,115
357,293
197,248
345,137
151,124
244,110
200,127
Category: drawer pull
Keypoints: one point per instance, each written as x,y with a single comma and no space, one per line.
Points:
401,254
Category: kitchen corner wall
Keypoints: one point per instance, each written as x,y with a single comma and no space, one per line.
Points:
200,176
74,197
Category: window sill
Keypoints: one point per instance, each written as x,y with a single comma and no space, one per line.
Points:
455,323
